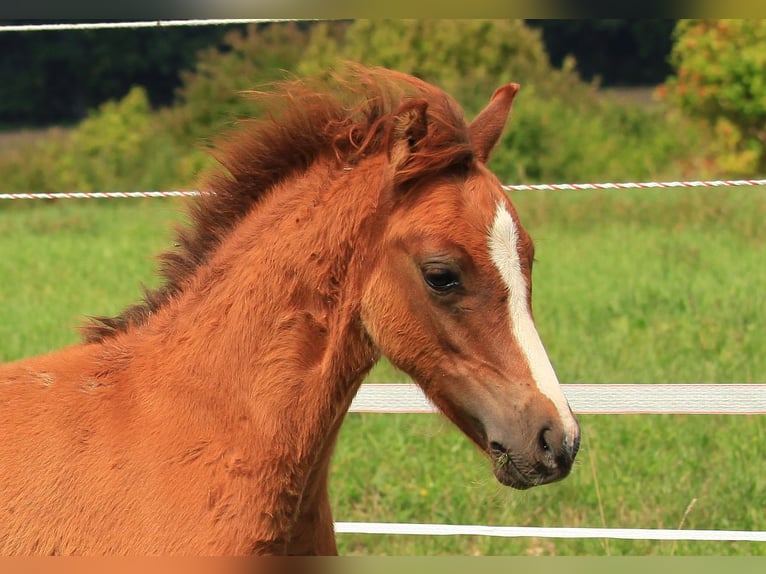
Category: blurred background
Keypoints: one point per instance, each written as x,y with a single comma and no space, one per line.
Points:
601,98
630,286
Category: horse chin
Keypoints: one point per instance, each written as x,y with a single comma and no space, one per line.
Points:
505,470
507,473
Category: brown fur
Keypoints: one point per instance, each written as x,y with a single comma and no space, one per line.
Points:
350,119
202,421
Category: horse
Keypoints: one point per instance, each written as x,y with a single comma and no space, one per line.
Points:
353,217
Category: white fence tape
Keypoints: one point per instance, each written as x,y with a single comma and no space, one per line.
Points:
606,398
542,532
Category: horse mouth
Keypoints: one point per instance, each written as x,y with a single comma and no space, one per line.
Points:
507,471
505,468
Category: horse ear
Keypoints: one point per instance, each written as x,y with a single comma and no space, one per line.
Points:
410,126
487,127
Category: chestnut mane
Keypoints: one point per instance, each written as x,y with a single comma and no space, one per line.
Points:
343,118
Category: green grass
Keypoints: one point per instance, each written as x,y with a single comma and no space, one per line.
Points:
630,286
67,260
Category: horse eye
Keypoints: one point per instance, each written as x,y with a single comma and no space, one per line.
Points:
440,279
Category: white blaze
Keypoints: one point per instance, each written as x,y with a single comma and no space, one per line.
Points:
503,241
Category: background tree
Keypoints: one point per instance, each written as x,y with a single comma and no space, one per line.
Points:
468,58
210,96
721,78
57,76
613,51
561,128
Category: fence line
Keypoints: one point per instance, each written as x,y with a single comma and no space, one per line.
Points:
66,26
595,398
603,398
99,195
636,185
507,187
418,529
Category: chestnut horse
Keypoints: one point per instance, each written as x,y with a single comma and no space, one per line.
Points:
356,219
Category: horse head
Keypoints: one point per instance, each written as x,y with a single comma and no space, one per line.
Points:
448,300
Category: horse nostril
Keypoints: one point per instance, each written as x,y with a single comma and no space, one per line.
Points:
570,449
556,453
545,441
496,447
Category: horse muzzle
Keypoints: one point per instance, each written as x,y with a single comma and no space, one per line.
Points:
548,459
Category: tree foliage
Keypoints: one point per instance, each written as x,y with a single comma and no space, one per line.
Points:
58,76
616,52
561,129
211,93
721,78
125,144
468,58
116,148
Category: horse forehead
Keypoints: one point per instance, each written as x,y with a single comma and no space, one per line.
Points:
462,212
484,195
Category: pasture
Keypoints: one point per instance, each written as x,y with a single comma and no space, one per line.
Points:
646,286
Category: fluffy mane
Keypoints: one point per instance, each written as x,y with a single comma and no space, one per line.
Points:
343,118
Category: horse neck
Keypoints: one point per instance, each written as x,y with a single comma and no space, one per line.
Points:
269,328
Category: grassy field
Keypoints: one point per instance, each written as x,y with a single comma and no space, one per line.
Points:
630,286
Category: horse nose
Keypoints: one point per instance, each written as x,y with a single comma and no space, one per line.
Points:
558,446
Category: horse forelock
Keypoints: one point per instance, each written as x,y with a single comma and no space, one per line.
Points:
342,119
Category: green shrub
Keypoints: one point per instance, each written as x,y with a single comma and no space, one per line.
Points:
110,148
125,145
211,96
117,147
561,129
467,58
595,139
721,78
